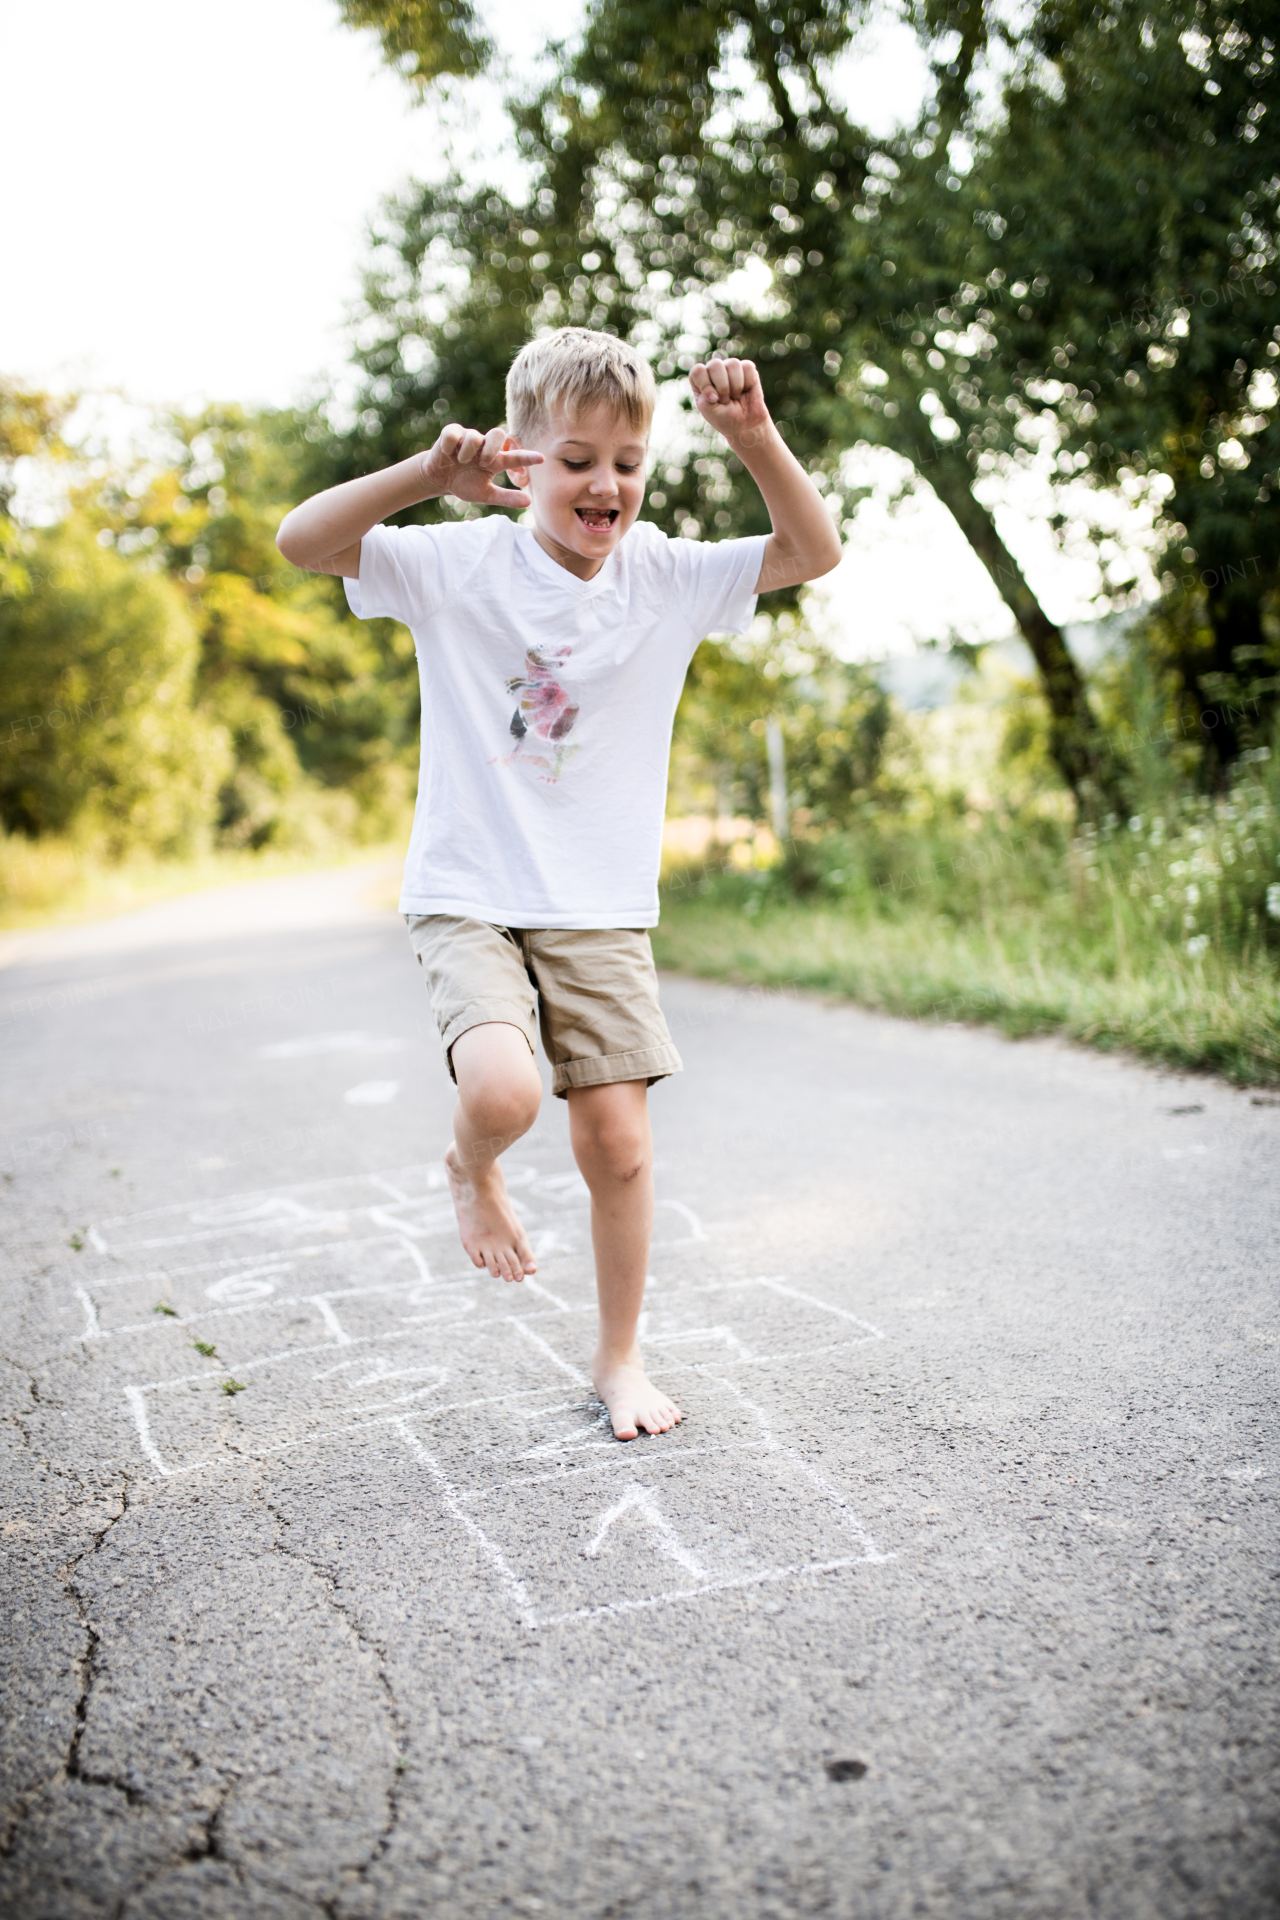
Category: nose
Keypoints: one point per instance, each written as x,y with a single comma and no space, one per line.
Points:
602,481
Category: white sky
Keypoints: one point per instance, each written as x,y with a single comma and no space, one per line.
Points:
189,190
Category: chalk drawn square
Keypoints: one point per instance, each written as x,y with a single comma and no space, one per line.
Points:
575,1528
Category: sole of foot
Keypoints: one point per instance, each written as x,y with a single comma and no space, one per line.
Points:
489,1230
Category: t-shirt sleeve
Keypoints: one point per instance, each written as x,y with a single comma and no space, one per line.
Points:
716,582
405,574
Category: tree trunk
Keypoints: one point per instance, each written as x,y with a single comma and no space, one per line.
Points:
1080,749
1227,684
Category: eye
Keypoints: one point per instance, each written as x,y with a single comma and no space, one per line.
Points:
577,466
633,468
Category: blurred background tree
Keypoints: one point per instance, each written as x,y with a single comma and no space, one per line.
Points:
1069,253
208,663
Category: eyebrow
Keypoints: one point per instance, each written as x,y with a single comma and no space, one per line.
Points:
632,446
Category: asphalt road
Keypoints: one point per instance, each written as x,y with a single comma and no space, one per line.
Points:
954,1595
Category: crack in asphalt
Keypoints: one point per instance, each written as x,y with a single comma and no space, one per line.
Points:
395,1717
89,1667
17,1419
89,1663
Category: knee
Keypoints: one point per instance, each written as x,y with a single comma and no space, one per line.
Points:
616,1152
502,1110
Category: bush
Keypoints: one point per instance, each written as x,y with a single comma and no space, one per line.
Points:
98,738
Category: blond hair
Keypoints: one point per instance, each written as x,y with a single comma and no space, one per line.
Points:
577,369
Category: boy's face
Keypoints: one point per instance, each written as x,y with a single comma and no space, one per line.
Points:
590,487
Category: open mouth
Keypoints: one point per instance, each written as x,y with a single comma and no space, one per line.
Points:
597,519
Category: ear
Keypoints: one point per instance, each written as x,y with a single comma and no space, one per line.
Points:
520,475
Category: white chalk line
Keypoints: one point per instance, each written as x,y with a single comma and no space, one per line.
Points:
138,1405
713,1586
452,1500
643,1500
402,1235
494,1554
259,1194
277,1209
872,1552
523,1327
696,1229
274,1301
655,1465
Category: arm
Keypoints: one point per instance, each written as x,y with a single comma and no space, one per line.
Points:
324,533
804,543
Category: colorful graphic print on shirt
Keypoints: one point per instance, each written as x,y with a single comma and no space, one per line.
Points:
545,716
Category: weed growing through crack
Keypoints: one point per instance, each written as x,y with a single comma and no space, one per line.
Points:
207,1348
76,1241
162,1306
233,1386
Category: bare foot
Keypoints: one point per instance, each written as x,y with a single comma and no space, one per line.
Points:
490,1231
631,1397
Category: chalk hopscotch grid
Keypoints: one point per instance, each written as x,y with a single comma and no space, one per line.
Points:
281,1212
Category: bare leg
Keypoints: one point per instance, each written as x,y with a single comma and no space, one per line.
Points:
612,1144
498,1096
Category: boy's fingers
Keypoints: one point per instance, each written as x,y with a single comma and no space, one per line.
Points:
514,456
699,378
514,497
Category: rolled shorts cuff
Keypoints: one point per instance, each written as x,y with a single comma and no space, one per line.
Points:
507,1013
608,1069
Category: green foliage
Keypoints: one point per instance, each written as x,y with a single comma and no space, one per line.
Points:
321,710
1162,935
1088,265
98,737
30,427
1124,214
423,39
834,718
169,681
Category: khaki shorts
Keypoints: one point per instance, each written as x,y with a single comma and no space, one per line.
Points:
593,991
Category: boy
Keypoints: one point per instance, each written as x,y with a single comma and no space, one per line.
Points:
551,659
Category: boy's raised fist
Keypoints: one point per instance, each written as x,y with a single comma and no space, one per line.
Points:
729,396
464,463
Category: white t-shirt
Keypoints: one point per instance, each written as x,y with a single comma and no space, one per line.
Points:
547,707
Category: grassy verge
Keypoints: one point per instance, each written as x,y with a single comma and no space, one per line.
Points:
1161,941
45,883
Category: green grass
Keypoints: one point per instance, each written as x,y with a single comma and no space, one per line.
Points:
1161,939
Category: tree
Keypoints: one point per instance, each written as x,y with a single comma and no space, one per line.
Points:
926,289
1134,180
31,423
657,178
98,739
321,710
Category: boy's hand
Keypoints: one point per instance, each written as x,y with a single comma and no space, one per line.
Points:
464,463
729,397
